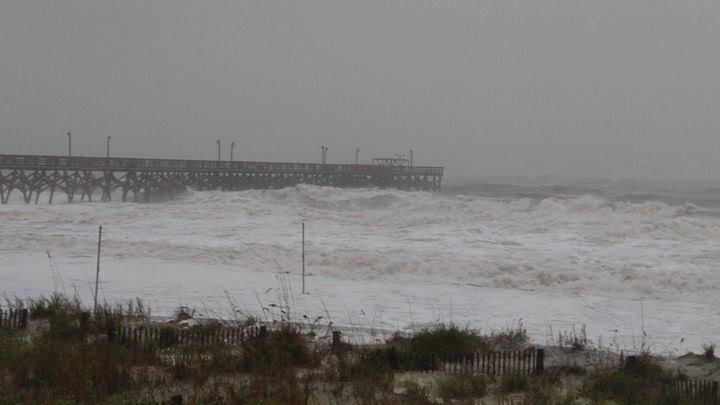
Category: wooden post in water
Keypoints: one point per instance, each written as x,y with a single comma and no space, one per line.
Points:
303,257
97,272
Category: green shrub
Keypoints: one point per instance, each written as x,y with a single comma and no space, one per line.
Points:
57,304
506,339
462,386
285,388
373,387
427,348
366,371
709,351
375,359
541,390
50,369
512,382
64,362
282,348
640,380
414,393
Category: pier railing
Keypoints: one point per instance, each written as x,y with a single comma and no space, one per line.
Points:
34,162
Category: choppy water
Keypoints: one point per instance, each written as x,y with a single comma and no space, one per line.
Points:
618,241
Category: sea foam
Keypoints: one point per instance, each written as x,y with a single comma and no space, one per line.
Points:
582,244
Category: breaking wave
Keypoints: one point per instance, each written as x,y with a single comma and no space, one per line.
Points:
580,244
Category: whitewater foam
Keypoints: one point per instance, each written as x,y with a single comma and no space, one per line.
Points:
579,244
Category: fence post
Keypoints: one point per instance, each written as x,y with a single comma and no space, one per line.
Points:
85,322
336,339
263,331
23,318
631,361
110,334
540,361
97,273
303,258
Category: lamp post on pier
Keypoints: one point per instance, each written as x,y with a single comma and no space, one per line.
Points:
218,142
232,147
107,150
357,155
69,135
324,153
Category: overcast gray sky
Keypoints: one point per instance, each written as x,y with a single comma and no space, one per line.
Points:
516,88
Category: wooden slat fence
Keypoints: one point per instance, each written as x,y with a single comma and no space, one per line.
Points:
13,319
684,388
167,336
530,361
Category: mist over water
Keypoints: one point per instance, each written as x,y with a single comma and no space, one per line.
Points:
701,194
507,88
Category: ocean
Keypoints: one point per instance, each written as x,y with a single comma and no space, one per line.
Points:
632,264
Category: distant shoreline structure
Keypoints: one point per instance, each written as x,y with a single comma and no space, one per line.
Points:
33,175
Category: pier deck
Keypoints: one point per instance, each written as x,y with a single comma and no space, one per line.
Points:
146,179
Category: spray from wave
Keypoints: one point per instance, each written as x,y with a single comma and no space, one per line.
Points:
580,244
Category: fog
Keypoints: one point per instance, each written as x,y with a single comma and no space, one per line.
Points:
485,88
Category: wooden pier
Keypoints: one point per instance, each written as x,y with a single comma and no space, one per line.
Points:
146,179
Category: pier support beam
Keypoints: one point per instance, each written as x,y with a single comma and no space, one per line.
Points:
158,178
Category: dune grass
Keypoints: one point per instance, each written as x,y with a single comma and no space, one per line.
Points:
65,356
